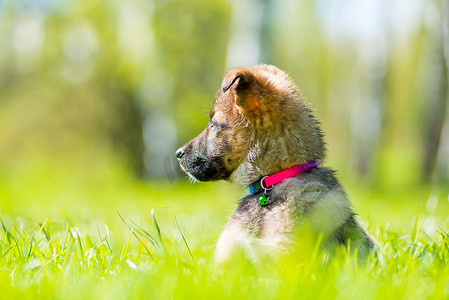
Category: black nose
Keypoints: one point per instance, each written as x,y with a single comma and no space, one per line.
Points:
179,153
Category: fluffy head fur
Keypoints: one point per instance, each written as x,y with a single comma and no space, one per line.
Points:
259,123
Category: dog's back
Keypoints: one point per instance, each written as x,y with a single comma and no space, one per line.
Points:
313,200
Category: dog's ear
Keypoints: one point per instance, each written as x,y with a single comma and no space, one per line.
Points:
243,83
238,79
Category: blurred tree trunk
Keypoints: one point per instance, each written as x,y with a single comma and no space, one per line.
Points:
252,37
368,113
266,31
252,33
129,135
442,167
436,140
435,119
245,42
187,65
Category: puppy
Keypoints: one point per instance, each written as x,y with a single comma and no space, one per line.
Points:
262,133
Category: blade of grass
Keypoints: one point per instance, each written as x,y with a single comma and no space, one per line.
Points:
108,240
67,234
415,228
157,227
143,244
185,241
18,248
126,248
30,248
8,234
316,250
80,247
142,231
415,233
9,249
47,232
123,220
66,216
41,229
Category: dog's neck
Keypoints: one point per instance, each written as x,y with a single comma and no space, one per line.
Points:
284,148
267,182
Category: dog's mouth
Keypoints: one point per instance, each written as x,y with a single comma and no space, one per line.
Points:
189,175
192,178
201,169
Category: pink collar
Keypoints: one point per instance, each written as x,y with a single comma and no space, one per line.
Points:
267,182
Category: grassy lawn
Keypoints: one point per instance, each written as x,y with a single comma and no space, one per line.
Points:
111,237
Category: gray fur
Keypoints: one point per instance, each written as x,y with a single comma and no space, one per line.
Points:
314,199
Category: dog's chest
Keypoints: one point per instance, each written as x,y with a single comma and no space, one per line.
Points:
262,221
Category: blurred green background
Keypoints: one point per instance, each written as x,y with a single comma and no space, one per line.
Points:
96,96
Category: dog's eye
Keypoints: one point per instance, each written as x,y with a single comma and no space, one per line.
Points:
213,125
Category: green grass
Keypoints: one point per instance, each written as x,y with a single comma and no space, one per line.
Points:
115,238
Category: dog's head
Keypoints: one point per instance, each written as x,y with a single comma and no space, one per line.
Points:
254,107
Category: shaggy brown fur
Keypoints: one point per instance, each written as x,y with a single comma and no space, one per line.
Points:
259,125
